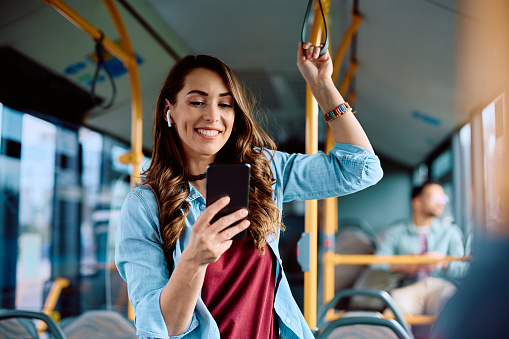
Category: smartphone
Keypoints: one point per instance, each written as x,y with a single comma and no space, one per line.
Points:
229,180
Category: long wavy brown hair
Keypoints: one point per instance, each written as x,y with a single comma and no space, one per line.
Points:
168,169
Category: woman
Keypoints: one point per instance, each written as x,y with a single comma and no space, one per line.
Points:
219,287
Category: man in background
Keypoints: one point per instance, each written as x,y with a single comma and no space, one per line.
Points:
425,288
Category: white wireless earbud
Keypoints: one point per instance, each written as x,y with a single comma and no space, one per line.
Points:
168,117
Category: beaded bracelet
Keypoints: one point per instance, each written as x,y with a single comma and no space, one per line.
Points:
338,111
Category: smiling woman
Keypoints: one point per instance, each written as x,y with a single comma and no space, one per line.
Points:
203,116
218,287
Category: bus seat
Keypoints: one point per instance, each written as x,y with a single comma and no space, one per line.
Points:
17,328
374,279
365,324
99,325
354,236
364,327
19,324
362,225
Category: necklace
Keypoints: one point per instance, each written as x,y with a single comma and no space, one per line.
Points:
196,177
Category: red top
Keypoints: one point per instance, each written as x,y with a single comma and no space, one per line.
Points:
239,292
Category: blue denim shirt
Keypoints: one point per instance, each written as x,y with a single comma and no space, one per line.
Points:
139,248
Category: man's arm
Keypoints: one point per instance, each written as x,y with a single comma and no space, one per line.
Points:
389,246
456,269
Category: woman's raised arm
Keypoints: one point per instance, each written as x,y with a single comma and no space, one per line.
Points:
317,71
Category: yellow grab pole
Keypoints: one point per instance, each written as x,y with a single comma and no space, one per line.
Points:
135,157
51,300
416,319
311,216
331,204
406,259
128,58
330,227
345,43
352,97
410,319
311,206
348,77
78,21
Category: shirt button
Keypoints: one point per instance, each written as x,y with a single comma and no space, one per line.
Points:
288,320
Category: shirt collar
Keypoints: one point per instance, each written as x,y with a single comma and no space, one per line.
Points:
435,225
193,194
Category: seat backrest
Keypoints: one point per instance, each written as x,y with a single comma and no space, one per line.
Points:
350,240
374,279
325,328
364,327
17,328
353,237
99,325
19,324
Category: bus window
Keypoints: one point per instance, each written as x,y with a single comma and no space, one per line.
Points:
37,173
463,176
492,127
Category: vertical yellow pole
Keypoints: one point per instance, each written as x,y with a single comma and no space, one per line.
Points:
311,207
329,230
311,216
331,204
329,209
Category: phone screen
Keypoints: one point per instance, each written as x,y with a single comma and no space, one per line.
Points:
229,180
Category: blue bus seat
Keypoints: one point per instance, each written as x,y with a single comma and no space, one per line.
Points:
364,327
365,324
99,325
354,236
19,324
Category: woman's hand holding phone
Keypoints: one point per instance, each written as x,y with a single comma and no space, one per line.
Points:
209,240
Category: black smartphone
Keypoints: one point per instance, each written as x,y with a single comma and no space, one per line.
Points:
229,180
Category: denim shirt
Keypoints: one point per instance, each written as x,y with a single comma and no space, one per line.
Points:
403,238
139,248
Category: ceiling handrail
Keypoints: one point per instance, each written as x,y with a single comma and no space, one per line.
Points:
78,21
128,58
136,98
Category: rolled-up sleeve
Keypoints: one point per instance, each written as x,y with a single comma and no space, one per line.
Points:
346,169
140,261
